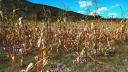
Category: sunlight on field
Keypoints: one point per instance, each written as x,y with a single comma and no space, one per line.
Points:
89,36
79,46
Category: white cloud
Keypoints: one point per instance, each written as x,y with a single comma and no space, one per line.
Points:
81,11
102,9
85,3
92,13
99,11
114,6
113,15
126,17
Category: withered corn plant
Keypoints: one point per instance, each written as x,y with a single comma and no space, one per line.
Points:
90,40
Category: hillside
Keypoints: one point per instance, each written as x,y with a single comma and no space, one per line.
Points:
39,12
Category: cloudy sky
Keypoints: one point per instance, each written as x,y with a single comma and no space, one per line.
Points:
105,8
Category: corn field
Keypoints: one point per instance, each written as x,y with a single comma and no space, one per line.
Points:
86,40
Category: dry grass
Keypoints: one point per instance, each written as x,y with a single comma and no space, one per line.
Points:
70,43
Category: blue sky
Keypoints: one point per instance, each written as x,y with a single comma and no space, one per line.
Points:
105,8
